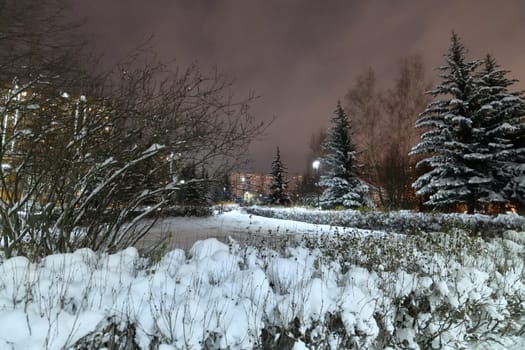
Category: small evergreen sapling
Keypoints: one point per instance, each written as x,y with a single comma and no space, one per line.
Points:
278,194
342,186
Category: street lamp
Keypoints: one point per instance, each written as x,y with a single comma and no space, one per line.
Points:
243,189
316,164
170,160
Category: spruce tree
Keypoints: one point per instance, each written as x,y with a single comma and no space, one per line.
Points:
278,185
513,171
342,187
452,175
499,118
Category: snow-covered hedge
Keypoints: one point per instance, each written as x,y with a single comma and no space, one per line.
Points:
398,221
334,291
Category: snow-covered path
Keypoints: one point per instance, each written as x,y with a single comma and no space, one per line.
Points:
182,232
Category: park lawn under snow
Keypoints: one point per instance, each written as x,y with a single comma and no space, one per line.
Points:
238,221
182,232
346,288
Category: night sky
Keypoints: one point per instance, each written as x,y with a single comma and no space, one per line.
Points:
300,57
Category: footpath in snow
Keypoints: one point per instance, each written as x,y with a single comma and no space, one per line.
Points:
182,232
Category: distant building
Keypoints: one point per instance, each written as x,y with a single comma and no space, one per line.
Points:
295,184
251,186
55,118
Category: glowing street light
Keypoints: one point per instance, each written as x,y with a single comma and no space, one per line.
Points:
316,164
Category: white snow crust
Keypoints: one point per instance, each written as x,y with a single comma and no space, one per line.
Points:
230,294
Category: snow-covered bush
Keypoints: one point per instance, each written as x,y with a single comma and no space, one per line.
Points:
432,290
86,155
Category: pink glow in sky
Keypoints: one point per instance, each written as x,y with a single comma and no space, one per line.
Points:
300,56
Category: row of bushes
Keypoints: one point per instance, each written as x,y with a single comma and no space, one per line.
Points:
398,221
331,292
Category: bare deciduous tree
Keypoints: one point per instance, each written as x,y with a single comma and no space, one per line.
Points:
363,103
86,157
384,129
402,105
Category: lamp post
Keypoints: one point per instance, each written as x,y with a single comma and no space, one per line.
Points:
170,160
243,188
316,165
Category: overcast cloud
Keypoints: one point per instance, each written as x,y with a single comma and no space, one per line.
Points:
302,56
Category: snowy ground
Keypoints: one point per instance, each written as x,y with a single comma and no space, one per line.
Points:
183,232
341,288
